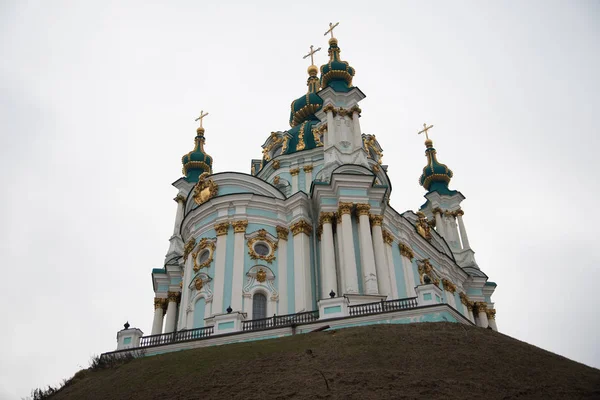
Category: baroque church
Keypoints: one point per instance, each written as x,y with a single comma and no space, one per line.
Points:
308,239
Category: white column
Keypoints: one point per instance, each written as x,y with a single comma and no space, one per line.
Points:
389,240
282,233
330,135
239,229
219,279
301,231
452,231
328,275
439,223
173,298
482,315
463,231
409,277
157,323
366,249
383,276
339,254
307,177
350,273
356,123
491,315
179,216
294,172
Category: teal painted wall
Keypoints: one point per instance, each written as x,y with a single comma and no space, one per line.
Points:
261,213
332,310
357,254
199,313
415,270
353,192
329,201
206,221
228,272
400,281
226,325
162,288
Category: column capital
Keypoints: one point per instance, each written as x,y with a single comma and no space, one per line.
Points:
173,297
363,209
222,228
464,298
179,198
449,286
437,210
406,251
491,313
301,226
276,180
470,305
328,108
294,171
376,219
282,232
481,307
159,302
307,168
276,164
326,217
189,246
459,213
344,208
355,109
387,237
240,226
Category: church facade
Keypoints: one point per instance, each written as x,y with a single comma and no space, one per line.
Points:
309,238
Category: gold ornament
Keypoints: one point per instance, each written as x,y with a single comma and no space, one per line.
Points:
239,226
261,275
326,217
423,227
276,180
262,237
189,246
387,237
307,168
294,171
173,297
406,251
376,220
449,286
222,228
301,226
464,298
491,313
204,244
481,306
276,164
198,283
345,208
282,232
205,189
363,209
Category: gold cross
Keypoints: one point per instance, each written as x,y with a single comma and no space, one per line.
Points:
202,115
331,26
312,61
425,129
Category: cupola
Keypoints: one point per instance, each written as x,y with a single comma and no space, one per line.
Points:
197,162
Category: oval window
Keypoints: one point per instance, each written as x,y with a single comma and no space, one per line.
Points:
204,256
262,249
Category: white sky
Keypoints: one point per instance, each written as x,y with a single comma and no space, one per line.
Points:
97,106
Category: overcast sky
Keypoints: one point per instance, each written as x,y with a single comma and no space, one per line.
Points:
97,106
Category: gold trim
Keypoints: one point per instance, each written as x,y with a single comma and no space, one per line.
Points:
491,313
387,237
261,275
406,251
189,246
173,297
282,232
222,228
345,208
326,218
159,303
205,189
198,283
263,238
276,164
294,171
301,226
240,226
449,286
276,180
300,146
179,198
307,168
376,220
464,298
205,244
481,307
363,209
423,227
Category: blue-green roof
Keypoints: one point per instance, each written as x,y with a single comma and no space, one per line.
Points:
336,74
435,174
196,162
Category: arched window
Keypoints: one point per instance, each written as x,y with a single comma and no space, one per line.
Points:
259,306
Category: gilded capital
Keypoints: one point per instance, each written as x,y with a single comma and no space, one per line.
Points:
387,237
481,307
189,246
376,220
158,303
376,168
326,218
282,232
459,213
240,226
491,313
355,109
222,228
464,298
307,168
329,108
173,297
294,171
363,209
179,198
406,251
449,286
276,164
276,180
437,210
470,305
344,208
301,226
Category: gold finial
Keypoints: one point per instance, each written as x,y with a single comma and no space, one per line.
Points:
331,27
310,54
202,115
428,142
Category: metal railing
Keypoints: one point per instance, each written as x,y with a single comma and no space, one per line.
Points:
174,337
382,306
277,321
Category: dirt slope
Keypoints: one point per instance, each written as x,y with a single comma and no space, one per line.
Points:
429,360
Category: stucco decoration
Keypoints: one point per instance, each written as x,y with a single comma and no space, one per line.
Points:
205,189
200,283
260,275
262,239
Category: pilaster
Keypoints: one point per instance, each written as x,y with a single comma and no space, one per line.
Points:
350,273
282,234
301,230
220,255
328,274
406,254
366,249
381,265
239,229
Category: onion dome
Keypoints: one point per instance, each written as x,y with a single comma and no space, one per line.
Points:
305,107
196,162
436,176
336,74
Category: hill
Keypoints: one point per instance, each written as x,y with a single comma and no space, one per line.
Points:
427,360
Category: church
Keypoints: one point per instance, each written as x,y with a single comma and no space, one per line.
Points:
308,240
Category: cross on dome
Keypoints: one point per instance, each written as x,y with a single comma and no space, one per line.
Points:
311,54
331,28
424,130
202,115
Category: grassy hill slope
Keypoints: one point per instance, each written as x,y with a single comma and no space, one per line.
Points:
429,360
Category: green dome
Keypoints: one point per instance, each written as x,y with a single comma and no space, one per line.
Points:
435,175
302,137
304,108
196,162
336,74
